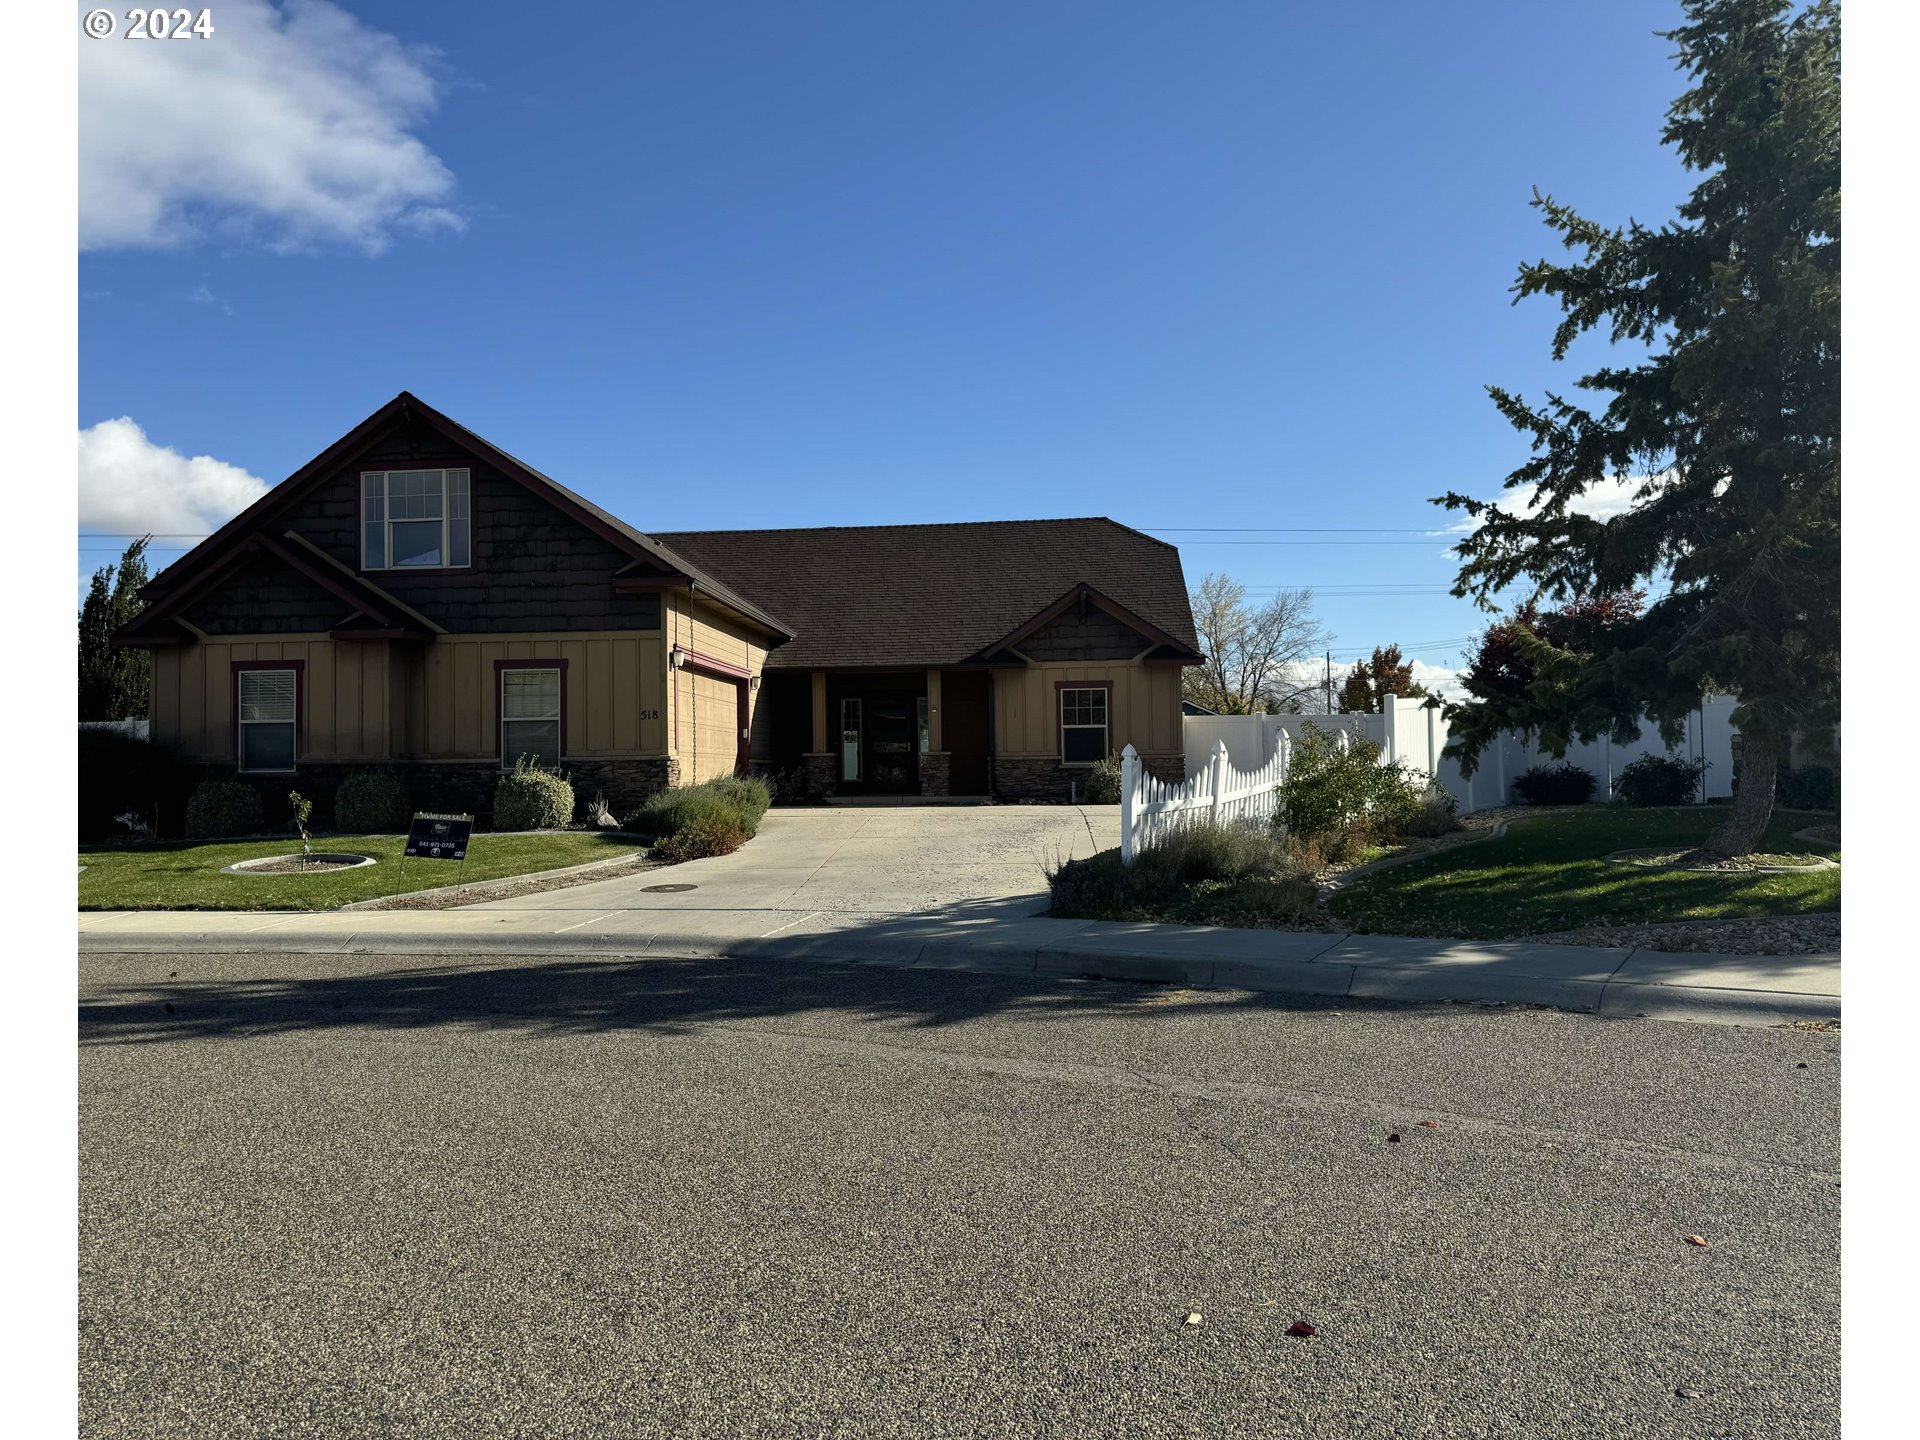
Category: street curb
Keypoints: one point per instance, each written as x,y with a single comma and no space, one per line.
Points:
1435,981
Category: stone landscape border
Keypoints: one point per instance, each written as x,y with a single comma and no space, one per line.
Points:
334,860
1632,857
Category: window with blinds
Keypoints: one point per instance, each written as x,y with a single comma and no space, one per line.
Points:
415,519
529,716
269,719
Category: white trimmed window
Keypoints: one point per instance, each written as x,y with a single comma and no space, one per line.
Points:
415,519
529,716
269,720
1083,726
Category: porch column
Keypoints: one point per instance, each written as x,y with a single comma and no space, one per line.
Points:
820,762
935,763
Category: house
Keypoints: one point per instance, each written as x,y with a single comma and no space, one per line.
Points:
416,597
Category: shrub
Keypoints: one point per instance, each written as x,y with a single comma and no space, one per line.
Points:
746,793
372,802
700,838
1659,780
1437,814
1243,868
223,807
730,800
1562,784
788,786
1103,782
531,797
1336,799
120,775
1815,787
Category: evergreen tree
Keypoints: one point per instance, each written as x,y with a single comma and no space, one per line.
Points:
1730,422
114,684
96,654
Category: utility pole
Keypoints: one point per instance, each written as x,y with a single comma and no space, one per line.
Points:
1329,682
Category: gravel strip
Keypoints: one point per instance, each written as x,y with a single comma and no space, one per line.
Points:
511,887
1776,935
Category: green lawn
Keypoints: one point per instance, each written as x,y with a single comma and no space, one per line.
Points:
1546,874
187,876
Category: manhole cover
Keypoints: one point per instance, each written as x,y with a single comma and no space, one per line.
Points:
666,889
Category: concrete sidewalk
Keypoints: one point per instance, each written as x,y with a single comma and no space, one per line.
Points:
1003,936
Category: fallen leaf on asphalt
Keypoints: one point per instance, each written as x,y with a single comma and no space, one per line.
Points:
1696,1240
1193,1318
1393,1139
1801,1066
1431,1124
1301,1327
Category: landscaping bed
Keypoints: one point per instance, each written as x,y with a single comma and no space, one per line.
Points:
1771,935
1549,873
187,876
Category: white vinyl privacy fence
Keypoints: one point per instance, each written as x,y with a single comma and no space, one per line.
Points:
1220,790
1415,734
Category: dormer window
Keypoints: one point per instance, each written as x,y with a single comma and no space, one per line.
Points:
415,520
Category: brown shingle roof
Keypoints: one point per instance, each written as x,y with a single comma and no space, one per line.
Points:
919,595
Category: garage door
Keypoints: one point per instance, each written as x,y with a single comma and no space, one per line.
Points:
709,724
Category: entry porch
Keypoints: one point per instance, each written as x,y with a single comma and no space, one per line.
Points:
924,733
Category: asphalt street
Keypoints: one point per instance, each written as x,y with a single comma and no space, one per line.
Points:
345,1196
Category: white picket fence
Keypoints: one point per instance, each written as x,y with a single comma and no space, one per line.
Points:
1220,791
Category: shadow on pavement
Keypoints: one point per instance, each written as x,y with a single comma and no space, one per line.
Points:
571,995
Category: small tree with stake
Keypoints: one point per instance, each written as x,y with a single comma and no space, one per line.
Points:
302,812
1732,419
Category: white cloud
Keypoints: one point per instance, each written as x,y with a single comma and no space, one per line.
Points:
1441,680
1603,501
131,486
290,126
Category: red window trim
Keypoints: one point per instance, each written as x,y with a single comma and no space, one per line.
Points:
1060,721
499,709
299,668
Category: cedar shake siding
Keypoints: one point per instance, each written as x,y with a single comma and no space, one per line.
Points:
533,568
260,596
1094,635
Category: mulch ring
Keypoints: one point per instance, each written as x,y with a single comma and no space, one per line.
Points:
1682,858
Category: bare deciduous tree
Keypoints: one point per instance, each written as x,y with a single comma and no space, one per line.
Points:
1255,654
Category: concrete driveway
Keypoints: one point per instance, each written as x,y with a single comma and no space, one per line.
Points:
879,860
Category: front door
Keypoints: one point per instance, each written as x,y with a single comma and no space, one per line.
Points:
892,736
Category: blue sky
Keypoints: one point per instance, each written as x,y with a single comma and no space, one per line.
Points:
1235,265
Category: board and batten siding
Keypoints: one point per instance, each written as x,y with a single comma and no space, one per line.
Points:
1145,714
614,691
345,690
372,700
704,707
